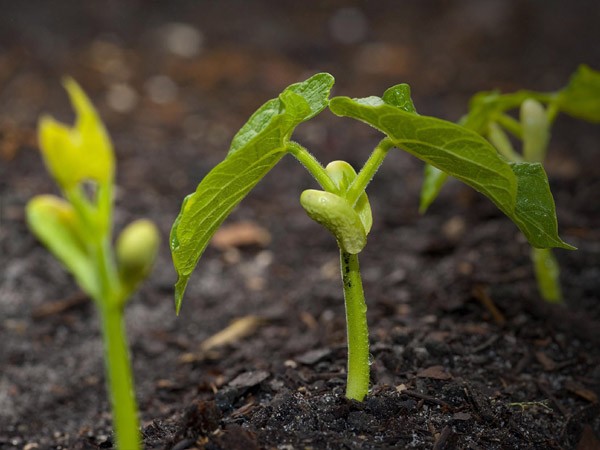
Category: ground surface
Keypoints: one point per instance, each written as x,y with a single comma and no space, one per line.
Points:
465,355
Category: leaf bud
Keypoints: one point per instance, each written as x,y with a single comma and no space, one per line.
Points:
336,214
136,250
536,130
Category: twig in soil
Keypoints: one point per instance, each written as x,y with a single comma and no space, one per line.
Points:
480,293
428,398
546,391
488,343
238,329
441,441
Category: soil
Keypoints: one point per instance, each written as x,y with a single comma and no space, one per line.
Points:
465,353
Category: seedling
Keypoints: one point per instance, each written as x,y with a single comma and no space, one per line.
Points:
77,229
489,116
520,189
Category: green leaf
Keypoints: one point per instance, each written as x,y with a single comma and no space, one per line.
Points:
433,181
467,156
79,153
399,96
534,210
581,97
254,151
55,223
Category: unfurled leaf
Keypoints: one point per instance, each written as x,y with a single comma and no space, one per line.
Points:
78,153
467,156
581,97
534,211
55,223
255,150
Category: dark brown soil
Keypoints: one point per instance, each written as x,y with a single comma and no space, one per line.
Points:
465,354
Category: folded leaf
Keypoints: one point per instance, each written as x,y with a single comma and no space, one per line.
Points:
55,223
343,174
581,97
338,216
467,156
255,150
82,152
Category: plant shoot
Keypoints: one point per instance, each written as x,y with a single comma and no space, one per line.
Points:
77,229
341,205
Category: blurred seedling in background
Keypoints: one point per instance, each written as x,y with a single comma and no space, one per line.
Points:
489,115
77,229
519,189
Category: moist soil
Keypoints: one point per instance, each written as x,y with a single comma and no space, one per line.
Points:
464,352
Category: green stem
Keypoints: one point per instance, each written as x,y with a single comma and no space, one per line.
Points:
366,174
547,273
511,125
116,354
120,380
500,140
313,166
357,329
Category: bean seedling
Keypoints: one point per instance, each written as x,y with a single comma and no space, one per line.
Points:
77,229
489,116
519,189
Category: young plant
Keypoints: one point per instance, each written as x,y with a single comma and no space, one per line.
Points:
489,116
520,190
77,229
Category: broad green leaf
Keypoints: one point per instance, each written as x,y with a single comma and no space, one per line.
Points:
465,155
55,223
581,97
82,152
433,180
254,151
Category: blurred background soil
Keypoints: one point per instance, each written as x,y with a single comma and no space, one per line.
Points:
173,82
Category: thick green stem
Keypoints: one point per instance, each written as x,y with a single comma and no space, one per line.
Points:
547,273
357,329
120,380
366,174
313,166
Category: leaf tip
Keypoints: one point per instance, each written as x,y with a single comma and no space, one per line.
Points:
179,291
